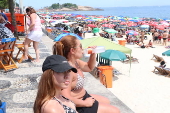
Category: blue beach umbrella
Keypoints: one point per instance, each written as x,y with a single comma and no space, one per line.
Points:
111,31
65,34
113,55
144,26
166,53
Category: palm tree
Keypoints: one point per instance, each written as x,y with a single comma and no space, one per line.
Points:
11,10
3,4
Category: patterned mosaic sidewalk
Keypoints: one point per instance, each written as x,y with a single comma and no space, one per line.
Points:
18,86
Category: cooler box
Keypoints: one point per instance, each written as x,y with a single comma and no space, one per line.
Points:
106,75
122,42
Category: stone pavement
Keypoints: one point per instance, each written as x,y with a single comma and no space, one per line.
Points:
18,87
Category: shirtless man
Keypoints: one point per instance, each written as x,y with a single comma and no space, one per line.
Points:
142,35
155,37
164,37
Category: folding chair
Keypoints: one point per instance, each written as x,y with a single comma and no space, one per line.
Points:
157,58
21,49
6,53
160,70
167,71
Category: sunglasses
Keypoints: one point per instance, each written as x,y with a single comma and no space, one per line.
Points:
79,46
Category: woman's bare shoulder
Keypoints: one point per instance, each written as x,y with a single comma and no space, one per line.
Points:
81,63
33,15
52,106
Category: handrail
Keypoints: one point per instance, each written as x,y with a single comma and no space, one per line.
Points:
54,31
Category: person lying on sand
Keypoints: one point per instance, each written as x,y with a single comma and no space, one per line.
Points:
142,45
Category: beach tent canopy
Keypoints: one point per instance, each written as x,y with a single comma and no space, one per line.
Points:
100,41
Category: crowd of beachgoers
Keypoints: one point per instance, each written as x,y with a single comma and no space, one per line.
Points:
135,29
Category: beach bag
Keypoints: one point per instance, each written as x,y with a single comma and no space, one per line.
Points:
10,26
2,107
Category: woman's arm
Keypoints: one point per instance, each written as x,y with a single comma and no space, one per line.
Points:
2,18
88,66
33,17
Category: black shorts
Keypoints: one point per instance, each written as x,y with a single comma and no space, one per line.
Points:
164,38
92,109
156,38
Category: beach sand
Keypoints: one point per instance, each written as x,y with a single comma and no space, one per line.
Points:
137,86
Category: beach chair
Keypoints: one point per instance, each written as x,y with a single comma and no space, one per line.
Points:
130,59
157,58
164,72
21,50
167,71
6,54
161,71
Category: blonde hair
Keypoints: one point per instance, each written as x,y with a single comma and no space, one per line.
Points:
63,46
46,90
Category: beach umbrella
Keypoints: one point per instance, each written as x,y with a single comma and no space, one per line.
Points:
132,32
113,55
166,53
100,41
95,30
160,27
144,26
91,25
65,34
111,31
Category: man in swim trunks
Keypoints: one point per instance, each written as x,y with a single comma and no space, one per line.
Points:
165,36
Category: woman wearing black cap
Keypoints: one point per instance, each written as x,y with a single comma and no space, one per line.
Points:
71,48
55,78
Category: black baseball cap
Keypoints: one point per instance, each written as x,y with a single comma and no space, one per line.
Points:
58,64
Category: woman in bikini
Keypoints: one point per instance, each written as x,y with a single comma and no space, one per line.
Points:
71,48
55,78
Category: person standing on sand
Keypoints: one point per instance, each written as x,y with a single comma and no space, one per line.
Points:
159,37
155,37
142,35
164,37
